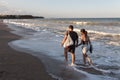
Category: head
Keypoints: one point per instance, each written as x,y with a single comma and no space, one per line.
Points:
70,28
83,31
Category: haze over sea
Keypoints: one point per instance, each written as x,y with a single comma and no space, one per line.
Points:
42,38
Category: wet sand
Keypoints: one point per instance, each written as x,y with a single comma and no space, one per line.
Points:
16,65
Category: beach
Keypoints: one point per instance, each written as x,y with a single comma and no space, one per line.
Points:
41,38
15,65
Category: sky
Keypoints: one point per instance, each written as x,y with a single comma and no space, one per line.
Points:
62,8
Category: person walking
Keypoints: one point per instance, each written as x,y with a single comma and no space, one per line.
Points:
86,46
70,38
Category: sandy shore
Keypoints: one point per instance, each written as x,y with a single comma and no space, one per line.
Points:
16,65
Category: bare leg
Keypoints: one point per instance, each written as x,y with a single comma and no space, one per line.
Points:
73,58
84,58
65,54
89,60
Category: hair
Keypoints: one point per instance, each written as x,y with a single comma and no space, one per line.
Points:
84,31
71,27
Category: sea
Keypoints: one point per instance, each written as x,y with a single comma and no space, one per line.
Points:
42,39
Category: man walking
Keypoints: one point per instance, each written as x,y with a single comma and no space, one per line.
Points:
71,48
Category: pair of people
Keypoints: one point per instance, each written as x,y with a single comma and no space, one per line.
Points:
85,42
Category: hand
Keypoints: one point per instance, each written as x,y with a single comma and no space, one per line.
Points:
77,45
90,44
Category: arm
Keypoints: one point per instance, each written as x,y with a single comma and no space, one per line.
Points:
80,43
89,41
91,48
64,39
76,42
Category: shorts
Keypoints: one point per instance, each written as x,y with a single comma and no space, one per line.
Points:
70,49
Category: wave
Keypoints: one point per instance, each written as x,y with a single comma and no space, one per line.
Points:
36,27
18,23
96,23
96,71
103,33
99,32
23,24
113,43
81,23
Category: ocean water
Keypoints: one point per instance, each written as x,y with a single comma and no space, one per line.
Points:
42,38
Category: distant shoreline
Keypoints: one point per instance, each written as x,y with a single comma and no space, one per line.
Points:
20,17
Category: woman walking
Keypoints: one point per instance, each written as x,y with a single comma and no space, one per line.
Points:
86,46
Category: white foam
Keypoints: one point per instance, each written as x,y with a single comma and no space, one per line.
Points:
81,23
98,32
113,43
103,33
23,24
103,23
55,77
94,77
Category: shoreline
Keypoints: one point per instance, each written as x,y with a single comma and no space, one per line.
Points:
15,65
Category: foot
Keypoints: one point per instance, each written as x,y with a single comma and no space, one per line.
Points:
72,64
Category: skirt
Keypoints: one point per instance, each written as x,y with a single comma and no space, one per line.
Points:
85,48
